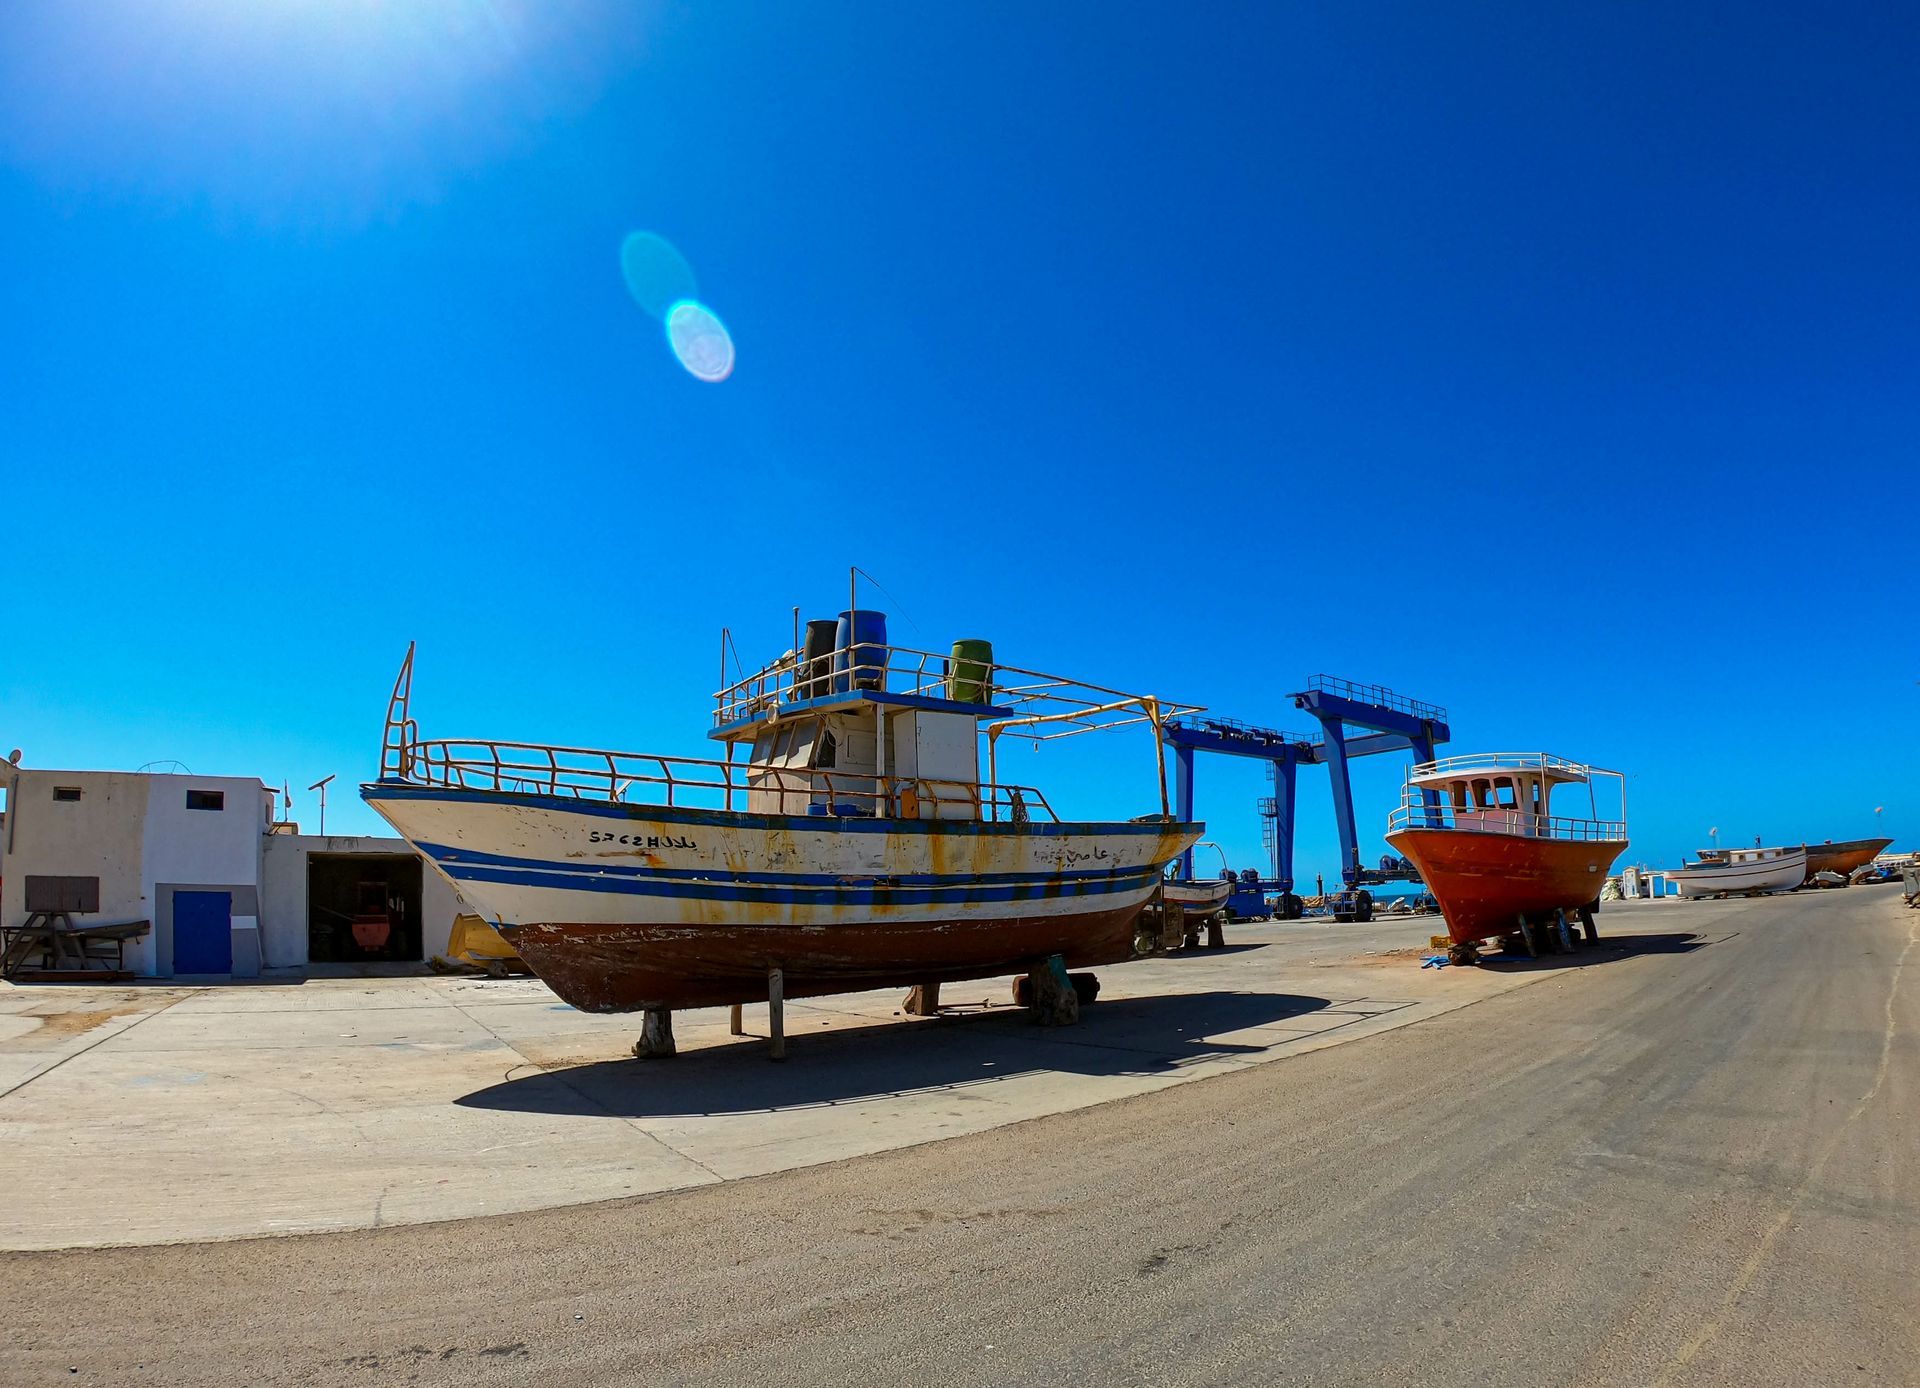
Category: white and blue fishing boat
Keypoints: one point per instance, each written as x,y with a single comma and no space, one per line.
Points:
847,839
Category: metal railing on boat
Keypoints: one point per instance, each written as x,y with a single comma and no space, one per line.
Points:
624,777
1071,705
1494,762
1504,820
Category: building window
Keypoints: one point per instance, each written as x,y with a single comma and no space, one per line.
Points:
66,792
206,800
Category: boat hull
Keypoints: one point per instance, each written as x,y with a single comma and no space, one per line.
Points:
1844,858
619,907
1197,899
1485,882
1781,874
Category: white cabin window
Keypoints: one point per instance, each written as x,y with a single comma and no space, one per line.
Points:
66,792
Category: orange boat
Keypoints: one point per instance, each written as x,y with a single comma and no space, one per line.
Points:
1845,857
1482,833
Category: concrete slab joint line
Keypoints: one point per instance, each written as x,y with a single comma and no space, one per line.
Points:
327,1107
82,1050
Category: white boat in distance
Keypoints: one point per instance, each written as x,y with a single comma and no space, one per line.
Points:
1744,871
1198,899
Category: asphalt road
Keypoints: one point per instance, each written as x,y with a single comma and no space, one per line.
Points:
1691,1160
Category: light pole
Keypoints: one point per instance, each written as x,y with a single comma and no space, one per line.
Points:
321,786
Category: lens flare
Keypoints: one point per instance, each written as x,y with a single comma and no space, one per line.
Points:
657,275
700,340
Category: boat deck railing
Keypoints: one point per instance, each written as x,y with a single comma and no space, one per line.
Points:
1033,704
1417,814
1470,763
645,778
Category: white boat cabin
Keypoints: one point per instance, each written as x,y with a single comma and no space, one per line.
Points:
1732,856
1492,798
865,754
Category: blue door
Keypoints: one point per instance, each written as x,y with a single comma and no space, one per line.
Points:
203,932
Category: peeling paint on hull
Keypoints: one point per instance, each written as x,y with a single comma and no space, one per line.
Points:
618,968
1485,882
621,906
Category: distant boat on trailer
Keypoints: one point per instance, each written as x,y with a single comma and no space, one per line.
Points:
847,840
1743,872
1481,831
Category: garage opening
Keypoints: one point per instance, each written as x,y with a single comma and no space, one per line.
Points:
363,907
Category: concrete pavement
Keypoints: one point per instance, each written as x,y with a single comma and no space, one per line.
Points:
1688,1162
323,1104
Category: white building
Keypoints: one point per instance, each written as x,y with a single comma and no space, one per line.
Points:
227,889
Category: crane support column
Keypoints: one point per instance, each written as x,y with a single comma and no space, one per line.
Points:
1183,800
1386,722
1336,753
1285,778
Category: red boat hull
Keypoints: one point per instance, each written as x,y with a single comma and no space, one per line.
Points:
1486,882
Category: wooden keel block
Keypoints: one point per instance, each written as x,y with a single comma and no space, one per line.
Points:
1052,1000
656,1034
735,1025
923,1000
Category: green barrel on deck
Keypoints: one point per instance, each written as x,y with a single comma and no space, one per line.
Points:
970,673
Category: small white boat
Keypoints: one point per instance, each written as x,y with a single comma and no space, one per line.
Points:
1744,871
1197,900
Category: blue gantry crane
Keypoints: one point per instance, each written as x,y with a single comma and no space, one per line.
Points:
1356,720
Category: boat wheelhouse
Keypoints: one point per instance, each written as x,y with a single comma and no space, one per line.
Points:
1483,832
846,839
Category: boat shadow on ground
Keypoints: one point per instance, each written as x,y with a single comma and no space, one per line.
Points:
1121,1036
1610,949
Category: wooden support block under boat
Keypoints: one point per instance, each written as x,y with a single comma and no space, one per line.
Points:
922,1000
1053,1001
656,1034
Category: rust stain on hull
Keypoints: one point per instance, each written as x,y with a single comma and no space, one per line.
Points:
624,967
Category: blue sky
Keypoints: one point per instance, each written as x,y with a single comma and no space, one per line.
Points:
1557,364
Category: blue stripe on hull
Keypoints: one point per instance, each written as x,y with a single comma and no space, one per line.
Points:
448,857
957,891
